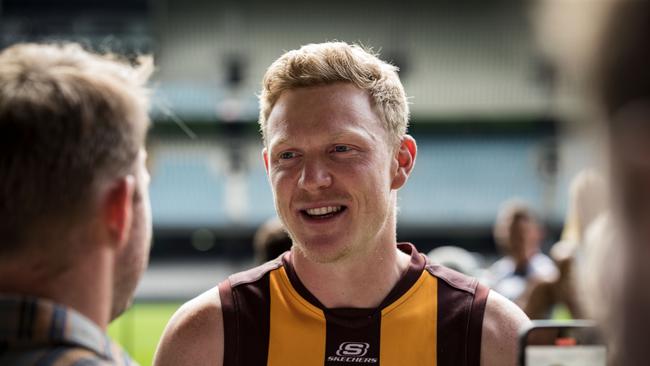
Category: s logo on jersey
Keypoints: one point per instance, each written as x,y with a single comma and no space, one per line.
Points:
352,352
353,349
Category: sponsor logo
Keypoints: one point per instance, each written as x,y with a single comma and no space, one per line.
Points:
352,352
353,349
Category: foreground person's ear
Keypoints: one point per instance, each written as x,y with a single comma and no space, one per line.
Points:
117,209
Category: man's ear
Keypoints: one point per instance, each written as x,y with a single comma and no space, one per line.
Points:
117,209
265,156
405,157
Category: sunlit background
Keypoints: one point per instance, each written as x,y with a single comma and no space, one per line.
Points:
483,113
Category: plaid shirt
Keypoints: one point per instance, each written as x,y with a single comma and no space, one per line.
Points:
38,332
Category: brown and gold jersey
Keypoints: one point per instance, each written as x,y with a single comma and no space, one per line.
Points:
433,316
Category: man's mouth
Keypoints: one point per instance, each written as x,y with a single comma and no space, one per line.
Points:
323,212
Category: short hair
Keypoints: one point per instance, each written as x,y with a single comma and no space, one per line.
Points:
332,62
68,118
510,214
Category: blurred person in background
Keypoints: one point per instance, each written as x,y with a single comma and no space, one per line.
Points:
587,203
334,120
270,241
458,259
75,223
617,73
519,236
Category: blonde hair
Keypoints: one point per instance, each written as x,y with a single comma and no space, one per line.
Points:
68,118
331,62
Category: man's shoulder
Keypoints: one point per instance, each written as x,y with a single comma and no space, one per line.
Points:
454,279
199,316
255,274
499,310
194,334
502,323
206,308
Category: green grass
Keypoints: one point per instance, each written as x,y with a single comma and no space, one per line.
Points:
561,312
139,329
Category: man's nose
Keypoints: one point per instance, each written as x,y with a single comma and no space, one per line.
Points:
315,175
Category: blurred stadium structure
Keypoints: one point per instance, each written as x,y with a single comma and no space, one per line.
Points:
483,114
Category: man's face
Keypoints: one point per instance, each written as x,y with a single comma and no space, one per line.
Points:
332,171
132,261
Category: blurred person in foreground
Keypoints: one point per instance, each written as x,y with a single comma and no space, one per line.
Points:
334,119
270,241
618,72
623,85
519,236
75,223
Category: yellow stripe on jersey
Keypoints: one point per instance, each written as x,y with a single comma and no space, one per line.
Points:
297,334
410,323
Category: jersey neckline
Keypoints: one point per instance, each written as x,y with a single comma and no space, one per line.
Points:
353,315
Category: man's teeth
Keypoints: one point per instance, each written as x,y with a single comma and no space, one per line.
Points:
323,210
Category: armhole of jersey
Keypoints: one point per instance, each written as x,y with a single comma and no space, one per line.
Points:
230,329
476,324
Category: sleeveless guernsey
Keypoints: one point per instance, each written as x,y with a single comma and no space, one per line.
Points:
433,316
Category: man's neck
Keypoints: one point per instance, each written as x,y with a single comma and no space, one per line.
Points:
358,282
84,287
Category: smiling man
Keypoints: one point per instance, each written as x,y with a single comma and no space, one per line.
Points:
334,119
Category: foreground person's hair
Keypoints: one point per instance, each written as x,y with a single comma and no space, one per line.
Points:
68,118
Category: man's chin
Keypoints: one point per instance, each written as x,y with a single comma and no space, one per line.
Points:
322,254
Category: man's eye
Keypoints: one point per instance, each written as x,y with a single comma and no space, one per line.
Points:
341,148
287,155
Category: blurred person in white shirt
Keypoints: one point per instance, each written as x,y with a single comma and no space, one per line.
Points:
519,236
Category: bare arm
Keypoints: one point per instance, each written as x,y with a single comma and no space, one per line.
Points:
501,325
194,335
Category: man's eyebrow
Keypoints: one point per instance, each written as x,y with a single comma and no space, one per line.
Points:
356,132
346,134
279,141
